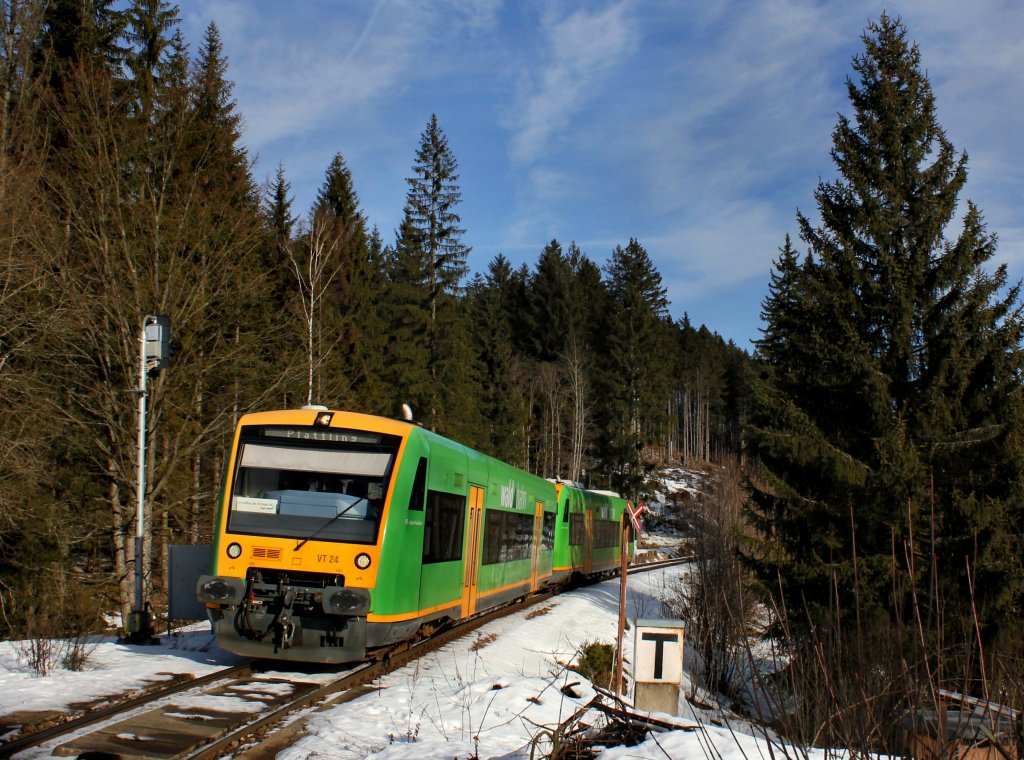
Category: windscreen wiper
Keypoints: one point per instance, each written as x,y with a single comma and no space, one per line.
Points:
323,527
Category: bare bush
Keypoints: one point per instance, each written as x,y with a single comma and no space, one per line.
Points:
714,601
909,680
912,681
61,633
37,650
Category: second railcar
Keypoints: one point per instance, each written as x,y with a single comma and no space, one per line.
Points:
589,533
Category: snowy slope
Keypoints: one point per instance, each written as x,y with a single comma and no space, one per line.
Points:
488,695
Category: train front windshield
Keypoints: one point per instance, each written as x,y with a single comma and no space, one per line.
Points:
311,484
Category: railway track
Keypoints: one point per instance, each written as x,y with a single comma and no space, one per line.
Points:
191,719
121,707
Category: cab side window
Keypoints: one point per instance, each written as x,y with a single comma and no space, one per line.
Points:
419,486
442,527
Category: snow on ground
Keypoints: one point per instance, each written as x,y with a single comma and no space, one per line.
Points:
488,695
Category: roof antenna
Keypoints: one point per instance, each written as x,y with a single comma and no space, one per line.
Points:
407,413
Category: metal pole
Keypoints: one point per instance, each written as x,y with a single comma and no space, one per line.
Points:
140,513
623,572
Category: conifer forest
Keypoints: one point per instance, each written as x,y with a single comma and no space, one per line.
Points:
876,425
126,192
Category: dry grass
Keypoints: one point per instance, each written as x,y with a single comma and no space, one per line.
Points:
482,641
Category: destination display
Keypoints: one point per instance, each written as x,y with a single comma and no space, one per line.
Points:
329,435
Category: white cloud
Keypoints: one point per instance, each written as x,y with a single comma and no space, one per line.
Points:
732,243
974,54
303,68
696,126
477,16
752,103
579,52
745,138
339,66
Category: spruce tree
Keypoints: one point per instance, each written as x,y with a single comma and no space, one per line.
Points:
634,384
407,319
279,206
351,375
76,33
566,308
281,222
430,207
550,302
501,402
137,201
707,394
587,299
161,218
515,292
149,26
549,314
33,512
888,405
373,396
217,125
215,192
426,270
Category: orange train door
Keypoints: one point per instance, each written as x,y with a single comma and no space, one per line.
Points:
471,557
538,518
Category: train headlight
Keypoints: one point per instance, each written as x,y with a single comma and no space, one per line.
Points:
220,590
362,560
339,600
234,551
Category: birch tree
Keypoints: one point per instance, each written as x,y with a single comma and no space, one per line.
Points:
315,270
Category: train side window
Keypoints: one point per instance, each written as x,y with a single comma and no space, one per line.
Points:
577,531
565,515
419,486
508,536
547,533
494,537
442,527
606,533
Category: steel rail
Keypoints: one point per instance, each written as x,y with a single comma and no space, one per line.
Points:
96,716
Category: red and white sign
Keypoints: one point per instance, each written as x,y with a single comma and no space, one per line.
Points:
634,516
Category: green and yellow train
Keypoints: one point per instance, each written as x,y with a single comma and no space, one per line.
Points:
338,533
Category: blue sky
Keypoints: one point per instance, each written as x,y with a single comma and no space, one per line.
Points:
698,128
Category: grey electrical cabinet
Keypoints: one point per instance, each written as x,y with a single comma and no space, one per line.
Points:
158,342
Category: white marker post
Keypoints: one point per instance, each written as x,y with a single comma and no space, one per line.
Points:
658,665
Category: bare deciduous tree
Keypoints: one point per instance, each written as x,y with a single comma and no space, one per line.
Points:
314,274
716,602
575,371
144,232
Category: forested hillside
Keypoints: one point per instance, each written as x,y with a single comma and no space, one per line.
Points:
125,191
